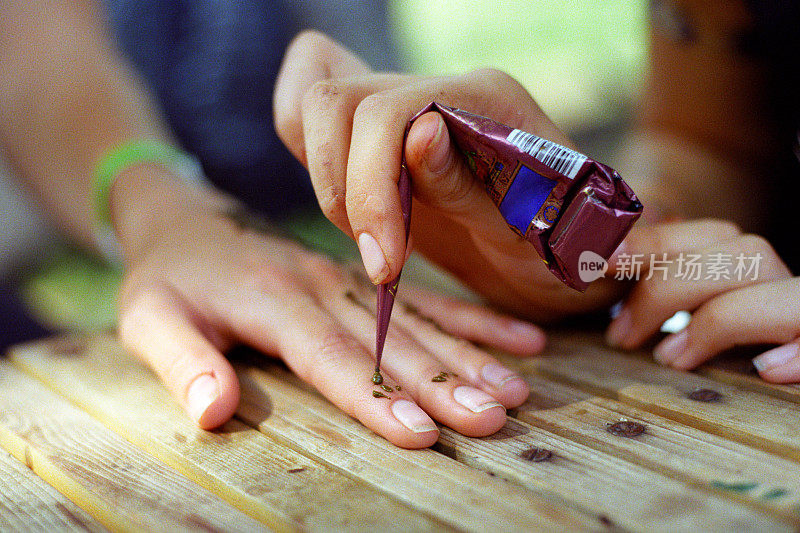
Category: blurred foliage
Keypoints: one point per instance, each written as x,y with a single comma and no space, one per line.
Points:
582,59
73,291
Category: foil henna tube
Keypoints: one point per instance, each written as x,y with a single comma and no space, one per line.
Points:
570,207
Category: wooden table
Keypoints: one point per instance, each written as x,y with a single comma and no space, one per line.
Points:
93,441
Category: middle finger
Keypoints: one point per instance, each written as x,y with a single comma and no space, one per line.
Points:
434,384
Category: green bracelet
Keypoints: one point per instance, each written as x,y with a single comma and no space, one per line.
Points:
122,157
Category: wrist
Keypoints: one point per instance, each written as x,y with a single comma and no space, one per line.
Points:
148,202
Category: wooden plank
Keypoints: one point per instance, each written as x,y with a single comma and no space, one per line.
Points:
741,373
736,470
463,497
119,485
30,504
277,485
622,493
742,415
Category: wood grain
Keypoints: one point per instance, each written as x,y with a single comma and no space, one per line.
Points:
624,493
30,504
678,450
727,464
272,483
119,485
460,496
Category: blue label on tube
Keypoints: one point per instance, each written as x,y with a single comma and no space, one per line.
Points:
525,197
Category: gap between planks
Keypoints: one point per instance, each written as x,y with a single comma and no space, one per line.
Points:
708,461
462,496
30,504
381,439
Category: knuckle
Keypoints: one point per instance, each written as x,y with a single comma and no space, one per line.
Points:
752,243
331,199
427,371
323,95
381,107
726,229
711,327
645,240
370,104
288,126
452,191
656,240
367,207
308,42
653,297
757,247
719,228
711,316
463,350
331,346
647,297
494,76
269,278
321,268
137,313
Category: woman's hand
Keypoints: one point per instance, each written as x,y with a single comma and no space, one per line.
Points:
738,289
346,124
198,283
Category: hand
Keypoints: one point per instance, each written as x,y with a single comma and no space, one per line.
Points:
197,284
346,124
729,308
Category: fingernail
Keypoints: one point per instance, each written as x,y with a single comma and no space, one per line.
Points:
411,416
671,348
203,391
373,258
474,399
620,327
776,357
437,153
497,375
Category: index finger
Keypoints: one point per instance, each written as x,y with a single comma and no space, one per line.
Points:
758,314
372,198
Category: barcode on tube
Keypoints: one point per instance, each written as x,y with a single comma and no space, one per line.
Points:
561,159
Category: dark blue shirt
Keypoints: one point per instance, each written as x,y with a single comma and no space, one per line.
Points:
212,65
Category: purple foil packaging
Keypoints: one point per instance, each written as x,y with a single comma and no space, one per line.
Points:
564,203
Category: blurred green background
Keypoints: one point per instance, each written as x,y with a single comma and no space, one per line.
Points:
583,61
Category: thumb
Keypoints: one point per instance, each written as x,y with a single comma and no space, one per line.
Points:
156,326
441,177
